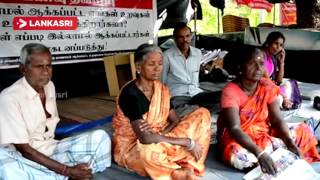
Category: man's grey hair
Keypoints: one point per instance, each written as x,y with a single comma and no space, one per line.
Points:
29,49
143,50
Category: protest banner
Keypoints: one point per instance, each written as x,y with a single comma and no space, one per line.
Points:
74,30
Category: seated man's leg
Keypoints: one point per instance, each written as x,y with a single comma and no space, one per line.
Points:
14,166
93,148
182,105
209,100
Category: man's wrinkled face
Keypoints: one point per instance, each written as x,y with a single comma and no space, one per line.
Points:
183,38
38,70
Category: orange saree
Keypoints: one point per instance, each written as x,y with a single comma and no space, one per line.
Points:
159,160
255,123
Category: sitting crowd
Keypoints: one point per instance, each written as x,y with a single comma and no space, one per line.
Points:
162,121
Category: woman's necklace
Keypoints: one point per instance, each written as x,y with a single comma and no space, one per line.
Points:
249,90
147,91
144,89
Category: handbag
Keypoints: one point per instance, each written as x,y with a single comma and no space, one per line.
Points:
316,103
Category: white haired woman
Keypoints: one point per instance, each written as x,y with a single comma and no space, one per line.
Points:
149,137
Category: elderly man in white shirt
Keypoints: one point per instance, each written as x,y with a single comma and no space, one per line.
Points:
28,119
181,66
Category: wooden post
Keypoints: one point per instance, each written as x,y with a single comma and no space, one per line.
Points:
111,63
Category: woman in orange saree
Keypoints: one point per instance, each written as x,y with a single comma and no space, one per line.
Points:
149,138
250,126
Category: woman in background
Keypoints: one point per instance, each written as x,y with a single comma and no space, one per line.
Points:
274,61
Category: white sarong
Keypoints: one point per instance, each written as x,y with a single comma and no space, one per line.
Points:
93,148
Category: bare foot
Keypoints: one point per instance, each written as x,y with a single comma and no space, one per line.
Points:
184,174
287,104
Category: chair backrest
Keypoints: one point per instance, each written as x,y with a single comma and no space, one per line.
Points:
111,63
233,23
266,25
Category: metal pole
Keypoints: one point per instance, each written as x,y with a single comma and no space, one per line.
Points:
274,14
195,26
218,21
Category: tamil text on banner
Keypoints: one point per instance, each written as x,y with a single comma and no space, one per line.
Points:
288,13
256,4
74,30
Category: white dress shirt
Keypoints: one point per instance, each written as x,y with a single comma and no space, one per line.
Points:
181,75
23,119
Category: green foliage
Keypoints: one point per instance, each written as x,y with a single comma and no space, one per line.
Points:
209,23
